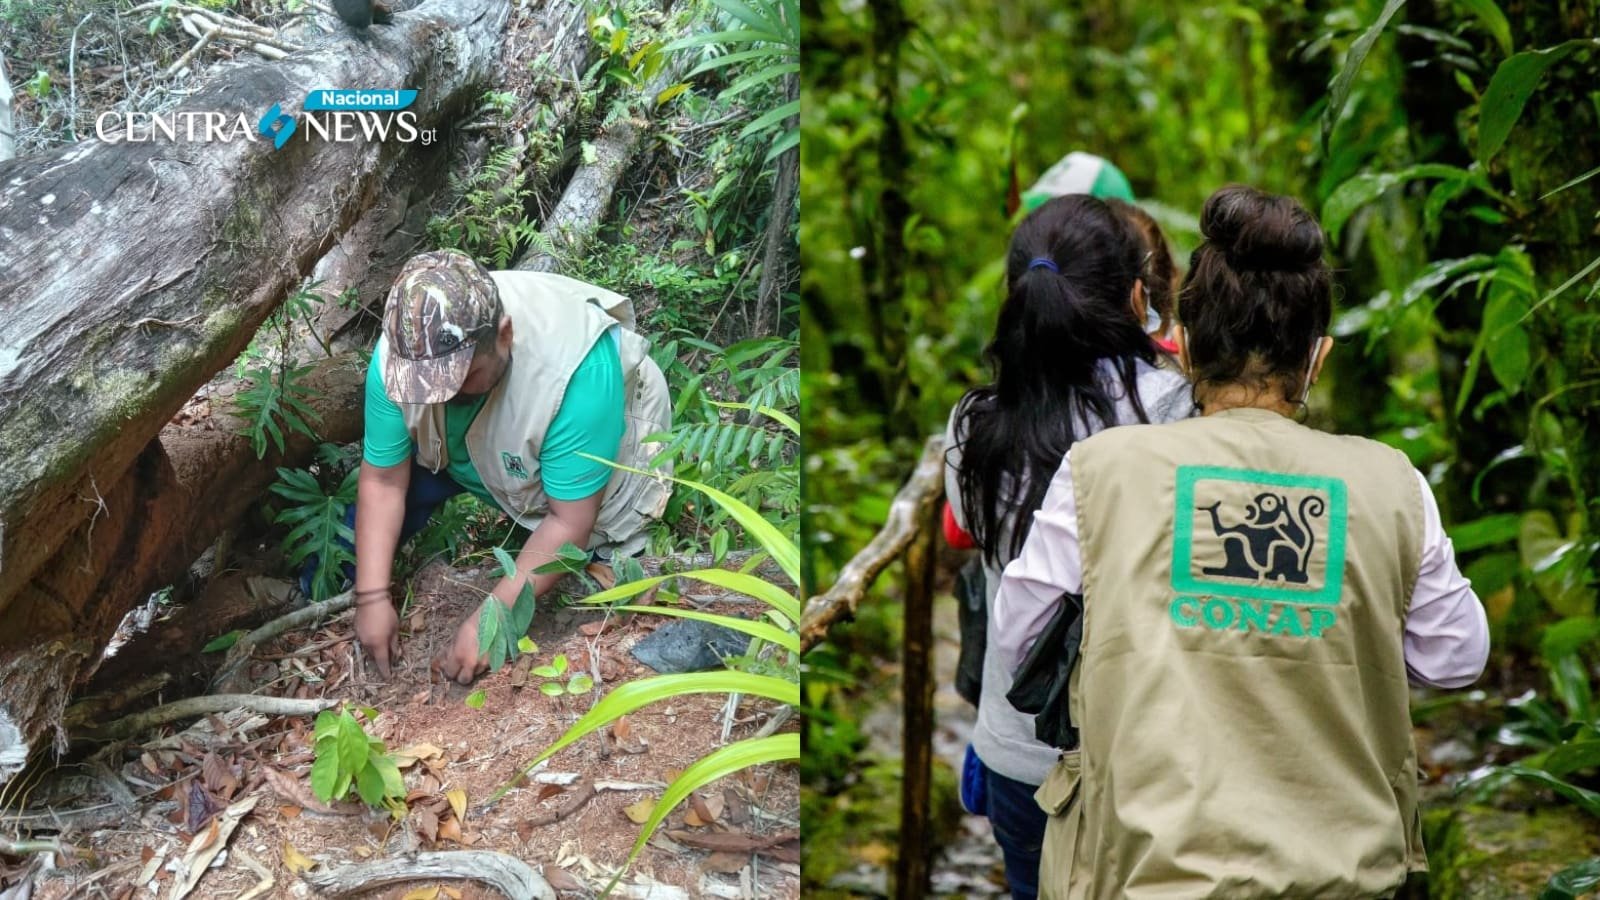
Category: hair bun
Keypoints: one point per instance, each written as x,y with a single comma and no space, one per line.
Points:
1261,232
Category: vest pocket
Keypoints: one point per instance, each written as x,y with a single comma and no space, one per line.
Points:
1060,786
1058,798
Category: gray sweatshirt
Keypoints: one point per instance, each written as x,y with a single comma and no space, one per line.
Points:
1003,737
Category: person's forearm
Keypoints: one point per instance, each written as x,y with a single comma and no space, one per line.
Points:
542,546
380,508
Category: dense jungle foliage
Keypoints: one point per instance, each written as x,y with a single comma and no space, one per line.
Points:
1450,148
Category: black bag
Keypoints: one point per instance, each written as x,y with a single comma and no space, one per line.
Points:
1040,688
973,617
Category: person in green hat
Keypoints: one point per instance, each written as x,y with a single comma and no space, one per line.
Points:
499,384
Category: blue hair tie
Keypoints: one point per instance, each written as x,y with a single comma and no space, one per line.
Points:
1039,262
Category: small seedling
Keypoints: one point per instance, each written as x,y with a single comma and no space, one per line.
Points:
347,757
499,629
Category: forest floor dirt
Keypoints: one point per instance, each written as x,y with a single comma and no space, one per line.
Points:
188,778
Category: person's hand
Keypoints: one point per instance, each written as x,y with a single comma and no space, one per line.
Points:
378,628
461,661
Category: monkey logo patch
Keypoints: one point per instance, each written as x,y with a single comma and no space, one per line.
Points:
1246,535
514,465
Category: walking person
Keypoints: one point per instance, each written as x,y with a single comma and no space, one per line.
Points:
1257,597
1070,357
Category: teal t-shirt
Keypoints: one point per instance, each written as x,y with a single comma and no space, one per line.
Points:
589,420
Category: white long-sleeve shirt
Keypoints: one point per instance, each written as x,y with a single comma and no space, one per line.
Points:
1446,637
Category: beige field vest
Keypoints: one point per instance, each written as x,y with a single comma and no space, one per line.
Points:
1241,693
555,322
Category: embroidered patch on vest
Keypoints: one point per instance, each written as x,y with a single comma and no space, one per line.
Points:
1244,536
514,465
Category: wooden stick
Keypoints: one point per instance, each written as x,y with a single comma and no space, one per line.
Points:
210,703
916,685
506,874
305,615
908,513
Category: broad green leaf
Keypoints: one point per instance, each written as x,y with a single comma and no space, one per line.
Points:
633,695
1484,532
525,644
666,96
1557,563
369,784
788,640
1568,636
744,583
352,745
1569,681
327,725
1506,343
570,559
1493,21
508,564
491,613
1362,189
324,774
551,689
1339,92
475,699
521,614
580,684
394,785
559,663
1587,800
544,671
719,546
1576,880
709,768
1508,92
1582,752
771,118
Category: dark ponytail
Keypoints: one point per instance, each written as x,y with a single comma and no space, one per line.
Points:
1069,272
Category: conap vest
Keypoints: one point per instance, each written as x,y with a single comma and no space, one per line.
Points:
1241,695
555,321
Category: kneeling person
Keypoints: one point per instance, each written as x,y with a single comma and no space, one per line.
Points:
496,383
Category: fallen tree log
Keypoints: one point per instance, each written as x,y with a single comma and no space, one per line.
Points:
576,219
186,487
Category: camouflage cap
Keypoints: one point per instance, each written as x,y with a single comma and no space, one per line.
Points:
441,304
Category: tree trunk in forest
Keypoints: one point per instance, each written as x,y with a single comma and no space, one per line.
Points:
119,305
576,219
8,128
776,275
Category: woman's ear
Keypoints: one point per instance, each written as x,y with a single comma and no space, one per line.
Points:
1139,299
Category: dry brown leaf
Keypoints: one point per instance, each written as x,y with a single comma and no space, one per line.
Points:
289,812
620,729
713,807
592,629
787,852
205,848
451,892
640,811
149,763
146,853
546,791
297,793
363,852
738,810
458,802
726,861
218,775
450,830
427,893
427,824
295,861
415,753
562,880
